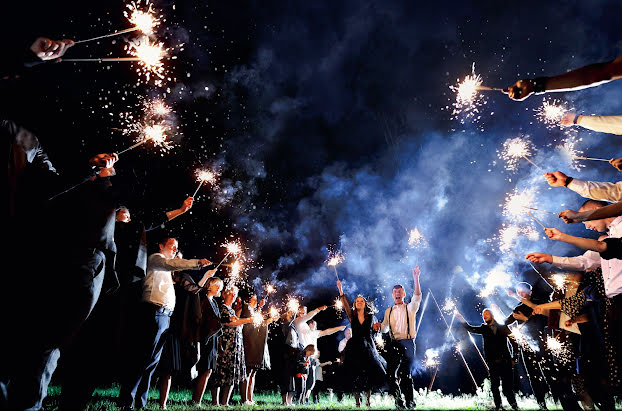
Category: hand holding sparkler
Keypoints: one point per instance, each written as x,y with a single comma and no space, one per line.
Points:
554,234
47,49
339,287
557,179
522,89
204,176
539,258
616,163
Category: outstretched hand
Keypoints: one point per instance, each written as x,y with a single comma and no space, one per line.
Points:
187,205
554,234
567,119
520,90
416,272
339,287
47,49
617,163
571,216
556,179
539,258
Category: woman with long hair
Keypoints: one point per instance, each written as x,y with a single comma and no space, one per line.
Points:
362,363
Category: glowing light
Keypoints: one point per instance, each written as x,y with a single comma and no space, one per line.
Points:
497,277
204,175
523,340
233,248
468,100
274,312
379,341
571,153
416,239
257,319
559,281
143,20
513,150
158,107
149,55
269,288
431,358
558,349
335,258
518,203
551,112
293,304
338,304
449,306
235,273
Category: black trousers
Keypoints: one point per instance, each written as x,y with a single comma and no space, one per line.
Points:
400,356
48,322
148,350
502,373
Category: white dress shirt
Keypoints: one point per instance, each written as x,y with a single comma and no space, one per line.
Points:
596,190
612,269
604,124
158,288
397,317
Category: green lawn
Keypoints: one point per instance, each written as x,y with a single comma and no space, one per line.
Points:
104,399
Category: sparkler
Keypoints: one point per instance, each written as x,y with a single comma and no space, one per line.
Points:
204,176
431,358
457,346
157,107
551,112
379,341
449,306
233,247
334,259
149,56
143,20
269,288
274,312
416,239
155,133
234,275
571,153
468,100
513,150
590,158
257,319
497,277
425,304
338,304
559,281
293,304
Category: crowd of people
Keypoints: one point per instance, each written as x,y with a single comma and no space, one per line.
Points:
148,310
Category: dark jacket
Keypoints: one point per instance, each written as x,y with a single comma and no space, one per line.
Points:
496,348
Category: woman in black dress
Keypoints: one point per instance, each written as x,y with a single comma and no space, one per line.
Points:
363,365
255,346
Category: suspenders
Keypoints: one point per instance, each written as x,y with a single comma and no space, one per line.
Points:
407,323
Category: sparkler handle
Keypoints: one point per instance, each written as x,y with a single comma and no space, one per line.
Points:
222,261
133,147
337,275
116,33
536,220
197,190
590,158
537,166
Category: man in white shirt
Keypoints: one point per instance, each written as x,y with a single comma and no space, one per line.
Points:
159,303
400,323
601,191
603,124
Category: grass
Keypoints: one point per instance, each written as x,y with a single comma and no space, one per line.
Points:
105,399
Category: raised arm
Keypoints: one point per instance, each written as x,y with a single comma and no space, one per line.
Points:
176,264
344,301
330,331
413,305
467,326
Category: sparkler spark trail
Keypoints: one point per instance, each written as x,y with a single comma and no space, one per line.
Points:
204,176
157,107
558,349
233,247
559,281
149,55
257,319
416,239
274,312
497,277
517,203
449,306
293,304
334,259
513,150
379,341
468,100
431,358
155,133
338,304
235,274
551,112
142,20
571,153
269,288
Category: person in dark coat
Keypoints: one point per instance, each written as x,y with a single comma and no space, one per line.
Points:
497,354
301,366
363,365
210,331
181,348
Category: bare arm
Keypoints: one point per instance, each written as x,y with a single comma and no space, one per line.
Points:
184,207
612,210
330,331
585,243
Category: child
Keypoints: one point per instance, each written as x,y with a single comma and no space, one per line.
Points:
303,360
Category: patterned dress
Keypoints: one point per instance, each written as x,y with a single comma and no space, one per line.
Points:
231,367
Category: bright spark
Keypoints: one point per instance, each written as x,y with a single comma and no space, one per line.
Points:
513,150
338,304
206,176
468,100
257,319
551,112
293,304
150,55
431,358
518,203
143,20
335,258
571,152
379,341
416,239
270,289
559,281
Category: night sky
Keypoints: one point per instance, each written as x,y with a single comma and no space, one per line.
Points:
331,123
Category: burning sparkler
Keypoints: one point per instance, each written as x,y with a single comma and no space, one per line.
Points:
513,150
234,275
517,203
338,304
155,133
157,108
551,112
559,281
416,239
144,21
334,259
204,176
468,100
233,248
274,312
497,277
557,348
449,306
269,288
379,341
571,153
293,304
431,358
257,319
149,55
